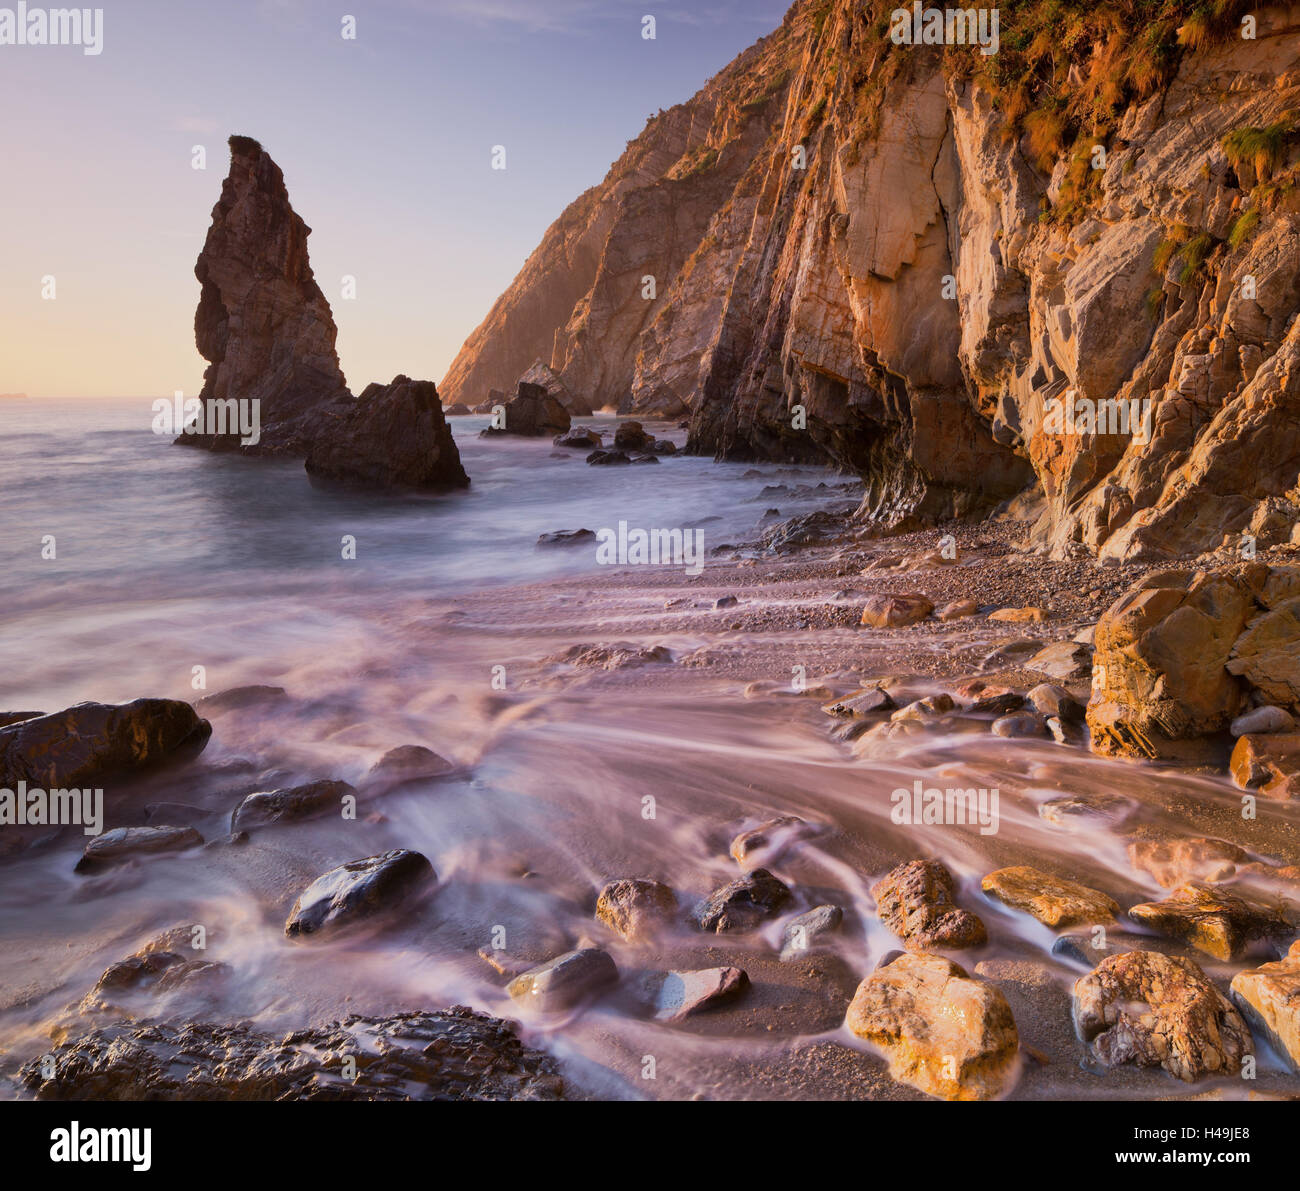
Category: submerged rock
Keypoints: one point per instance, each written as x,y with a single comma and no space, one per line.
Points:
93,741
124,843
580,437
565,981
861,703
917,902
359,891
742,904
1054,901
1212,920
1159,1011
636,908
944,1032
1269,999
769,839
406,763
567,537
452,1055
1177,862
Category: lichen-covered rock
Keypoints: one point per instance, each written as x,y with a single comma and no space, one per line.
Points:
942,1031
742,904
1212,920
452,1055
1156,1011
636,908
360,891
916,900
1269,998
1054,901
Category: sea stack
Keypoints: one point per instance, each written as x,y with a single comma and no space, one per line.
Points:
268,334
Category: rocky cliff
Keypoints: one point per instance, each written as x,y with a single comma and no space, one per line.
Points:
266,329
1062,278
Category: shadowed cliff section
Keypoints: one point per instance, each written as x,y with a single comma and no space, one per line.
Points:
267,331
1103,211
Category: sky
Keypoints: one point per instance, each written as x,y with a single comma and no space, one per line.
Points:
385,141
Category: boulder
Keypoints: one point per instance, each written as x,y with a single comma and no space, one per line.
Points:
608,458
265,807
360,891
1063,660
1054,901
942,1031
1019,615
957,610
636,908
926,708
1022,724
1212,920
403,764
1267,763
580,437
917,902
1260,720
90,742
1048,700
894,611
742,904
1269,999
859,704
1267,654
390,437
1159,669
456,410
1159,1011
123,843
565,981
801,932
680,994
631,436
532,413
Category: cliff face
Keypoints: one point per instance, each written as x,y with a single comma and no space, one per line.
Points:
1103,211
268,334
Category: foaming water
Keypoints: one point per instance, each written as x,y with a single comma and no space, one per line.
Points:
169,558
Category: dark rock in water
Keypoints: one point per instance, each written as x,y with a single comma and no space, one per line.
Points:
239,698
544,375
635,907
406,763
125,842
164,963
808,529
456,410
741,905
645,459
680,994
286,805
262,322
800,932
917,902
726,601
93,741
567,537
631,436
453,1055
1020,725
606,458
860,703
664,446
582,437
15,717
532,412
565,981
359,891
392,436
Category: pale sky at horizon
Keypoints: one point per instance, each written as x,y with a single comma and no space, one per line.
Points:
385,144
